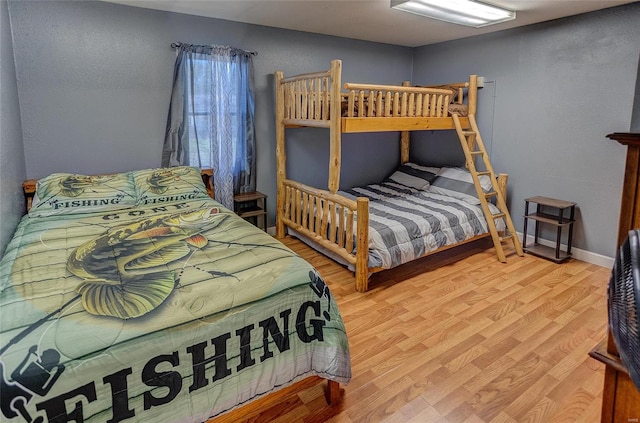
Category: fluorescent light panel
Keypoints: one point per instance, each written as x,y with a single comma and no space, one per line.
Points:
462,12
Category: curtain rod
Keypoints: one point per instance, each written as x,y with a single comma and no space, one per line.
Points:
253,53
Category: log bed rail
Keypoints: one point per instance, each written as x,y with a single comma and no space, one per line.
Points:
311,212
316,100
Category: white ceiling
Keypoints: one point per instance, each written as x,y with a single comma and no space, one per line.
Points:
370,20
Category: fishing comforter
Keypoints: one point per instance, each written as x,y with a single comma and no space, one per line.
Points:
175,313
406,223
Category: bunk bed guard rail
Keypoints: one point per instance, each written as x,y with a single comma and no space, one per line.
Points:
328,219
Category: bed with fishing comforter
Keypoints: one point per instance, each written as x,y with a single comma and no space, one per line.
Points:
137,297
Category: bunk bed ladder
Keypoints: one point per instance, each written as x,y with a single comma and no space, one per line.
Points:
474,147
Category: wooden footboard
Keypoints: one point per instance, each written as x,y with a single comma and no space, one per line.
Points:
328,219
312,212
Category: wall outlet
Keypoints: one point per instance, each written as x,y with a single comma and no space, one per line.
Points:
481,82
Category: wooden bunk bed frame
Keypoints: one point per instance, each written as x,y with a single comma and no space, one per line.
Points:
317,100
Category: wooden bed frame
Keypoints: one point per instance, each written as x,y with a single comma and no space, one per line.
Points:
332,391
317,100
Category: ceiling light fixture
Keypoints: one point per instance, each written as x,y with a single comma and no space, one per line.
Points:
463,12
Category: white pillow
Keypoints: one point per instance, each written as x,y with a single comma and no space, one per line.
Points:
458,183
414,176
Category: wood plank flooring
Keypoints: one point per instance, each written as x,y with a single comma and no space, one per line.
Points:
460,337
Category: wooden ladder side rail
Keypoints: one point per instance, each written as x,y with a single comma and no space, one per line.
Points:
501,202
473,146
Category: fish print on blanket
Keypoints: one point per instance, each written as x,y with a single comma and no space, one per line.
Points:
74,185
160,180
124,270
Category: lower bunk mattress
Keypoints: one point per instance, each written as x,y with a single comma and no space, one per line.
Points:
176,313
406,223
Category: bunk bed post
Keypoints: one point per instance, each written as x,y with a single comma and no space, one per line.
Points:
472,94
404,138
502,184
281,156
362,244
404,147
335,125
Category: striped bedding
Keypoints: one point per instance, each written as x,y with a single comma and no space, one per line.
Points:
406,223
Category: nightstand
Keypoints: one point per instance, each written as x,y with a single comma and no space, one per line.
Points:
252,206
552,212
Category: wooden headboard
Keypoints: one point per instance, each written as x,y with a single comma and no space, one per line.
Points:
29,186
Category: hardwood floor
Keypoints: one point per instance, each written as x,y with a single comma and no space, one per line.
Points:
460,337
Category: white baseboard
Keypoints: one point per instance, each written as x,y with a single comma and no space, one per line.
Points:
576,253
271,230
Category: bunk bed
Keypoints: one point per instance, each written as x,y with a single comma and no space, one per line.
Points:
138,296
339,225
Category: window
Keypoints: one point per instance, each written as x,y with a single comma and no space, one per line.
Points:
211,117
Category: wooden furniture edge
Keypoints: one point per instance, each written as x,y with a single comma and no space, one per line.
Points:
29,187
631,186
281,155
616,402
207,178
29,191
601,354
251,410
625,138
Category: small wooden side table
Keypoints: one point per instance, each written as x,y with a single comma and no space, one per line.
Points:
252,206
556,217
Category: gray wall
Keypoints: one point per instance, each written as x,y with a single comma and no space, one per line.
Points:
554,91
94,83
12,167
95,79
635,118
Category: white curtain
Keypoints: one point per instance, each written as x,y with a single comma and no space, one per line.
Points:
211,117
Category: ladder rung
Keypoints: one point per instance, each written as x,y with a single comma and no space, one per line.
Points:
506,238
468,133
477,152
483,173
490,194
498,215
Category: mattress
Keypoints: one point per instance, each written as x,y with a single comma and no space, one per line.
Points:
173,313
406,223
